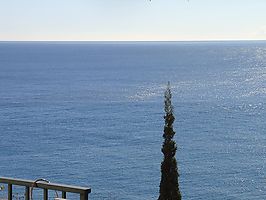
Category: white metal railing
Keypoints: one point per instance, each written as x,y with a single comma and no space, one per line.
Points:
45,185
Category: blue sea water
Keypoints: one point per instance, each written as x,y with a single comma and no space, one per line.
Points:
91,114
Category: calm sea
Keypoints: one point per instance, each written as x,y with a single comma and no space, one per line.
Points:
91,114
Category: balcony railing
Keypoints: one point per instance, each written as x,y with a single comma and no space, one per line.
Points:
45,185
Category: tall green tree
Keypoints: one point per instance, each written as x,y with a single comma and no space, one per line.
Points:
169,187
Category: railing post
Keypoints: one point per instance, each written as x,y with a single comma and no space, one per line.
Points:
45,194
63,195
84,196
27,193
9,191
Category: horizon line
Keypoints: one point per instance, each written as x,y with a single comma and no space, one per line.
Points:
211,40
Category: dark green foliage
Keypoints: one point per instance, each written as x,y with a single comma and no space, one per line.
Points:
169,187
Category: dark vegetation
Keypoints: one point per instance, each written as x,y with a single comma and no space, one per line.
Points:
169,187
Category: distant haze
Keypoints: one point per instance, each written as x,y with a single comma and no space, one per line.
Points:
111,20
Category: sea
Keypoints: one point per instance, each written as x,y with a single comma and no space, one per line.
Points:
91,114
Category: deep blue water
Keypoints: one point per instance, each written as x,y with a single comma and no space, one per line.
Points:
91,114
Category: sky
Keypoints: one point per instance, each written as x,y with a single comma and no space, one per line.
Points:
132,20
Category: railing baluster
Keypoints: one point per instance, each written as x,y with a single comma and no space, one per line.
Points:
83,196
63,195
27,193
45,194
9,191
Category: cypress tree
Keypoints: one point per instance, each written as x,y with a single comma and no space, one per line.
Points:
169,187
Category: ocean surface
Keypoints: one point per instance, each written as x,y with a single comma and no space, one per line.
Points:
91,114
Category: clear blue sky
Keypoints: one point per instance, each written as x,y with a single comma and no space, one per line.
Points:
132,19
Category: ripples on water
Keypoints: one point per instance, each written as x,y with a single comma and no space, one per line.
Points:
92,114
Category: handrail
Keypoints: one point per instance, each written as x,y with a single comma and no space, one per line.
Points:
83,191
